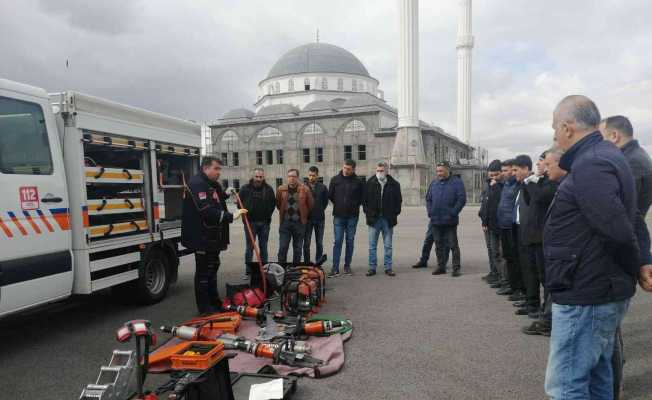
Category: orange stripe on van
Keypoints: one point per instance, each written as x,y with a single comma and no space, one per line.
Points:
17,223
31,222
5,228
45,220
85,216
61,217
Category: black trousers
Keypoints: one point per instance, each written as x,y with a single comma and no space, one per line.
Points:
444,237
293,231
509,243
530,258
206,295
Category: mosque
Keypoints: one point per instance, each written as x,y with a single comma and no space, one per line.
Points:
318,106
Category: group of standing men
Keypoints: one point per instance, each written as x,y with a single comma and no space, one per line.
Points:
573,226
302,206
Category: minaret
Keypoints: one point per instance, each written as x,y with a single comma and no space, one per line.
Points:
464,47
407,154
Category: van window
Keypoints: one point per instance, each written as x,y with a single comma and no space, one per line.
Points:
24,146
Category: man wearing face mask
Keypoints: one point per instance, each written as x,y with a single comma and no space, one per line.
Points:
317,216
381,204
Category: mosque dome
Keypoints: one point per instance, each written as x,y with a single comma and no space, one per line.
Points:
317,57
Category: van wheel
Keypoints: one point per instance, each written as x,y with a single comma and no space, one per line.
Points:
153,285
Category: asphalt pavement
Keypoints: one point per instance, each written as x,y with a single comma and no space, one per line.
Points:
416,336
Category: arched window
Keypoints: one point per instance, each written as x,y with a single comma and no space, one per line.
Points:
340,84
229,136
270,131
313,129
355,126
277,87
361,86
269,89
291,85
324,84
354,85
306,84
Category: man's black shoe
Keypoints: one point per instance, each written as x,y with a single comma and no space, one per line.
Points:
439,271
505,291
488,277
517,296
420,265
526,310
537,328
496,285
493,280
456,273
520,303
371,273
534,314
390,273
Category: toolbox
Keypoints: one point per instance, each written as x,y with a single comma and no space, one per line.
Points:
198,356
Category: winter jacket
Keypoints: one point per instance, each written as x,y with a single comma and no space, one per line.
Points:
504,213
641,164
259,201
489,199
205,221
590,239
388,207
538,196
445,200
305,202
345,192
320,201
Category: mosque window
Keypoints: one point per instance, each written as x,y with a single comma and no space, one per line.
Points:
354,126
236,184
291,85
361,86
269,89
306,155
306,84
229,136
269,157
362,152
348,152
340,84
225,159
225,183
354,85
320,154
279,156
270,131
235,157
259,157
279,182
324,84
313,129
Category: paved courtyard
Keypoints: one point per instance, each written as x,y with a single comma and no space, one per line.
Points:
417,336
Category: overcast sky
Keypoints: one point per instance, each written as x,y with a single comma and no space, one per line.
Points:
198,59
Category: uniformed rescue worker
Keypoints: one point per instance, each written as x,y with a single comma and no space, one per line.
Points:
205,230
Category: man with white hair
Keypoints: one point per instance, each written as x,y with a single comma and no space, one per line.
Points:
594,249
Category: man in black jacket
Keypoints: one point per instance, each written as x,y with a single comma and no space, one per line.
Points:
381,204
257,197
205,230
345,192
490,198
317,215
540,189
594,249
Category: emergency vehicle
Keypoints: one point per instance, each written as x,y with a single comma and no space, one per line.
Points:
90,196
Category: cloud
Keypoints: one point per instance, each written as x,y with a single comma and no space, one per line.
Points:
198,59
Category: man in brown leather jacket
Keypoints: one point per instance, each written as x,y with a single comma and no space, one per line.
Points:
294,202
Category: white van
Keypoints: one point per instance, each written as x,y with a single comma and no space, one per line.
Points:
90,196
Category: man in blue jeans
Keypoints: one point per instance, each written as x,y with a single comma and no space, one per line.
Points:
594,248
345,192
381,204
258,197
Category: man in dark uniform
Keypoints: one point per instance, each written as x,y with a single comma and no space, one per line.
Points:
205,230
